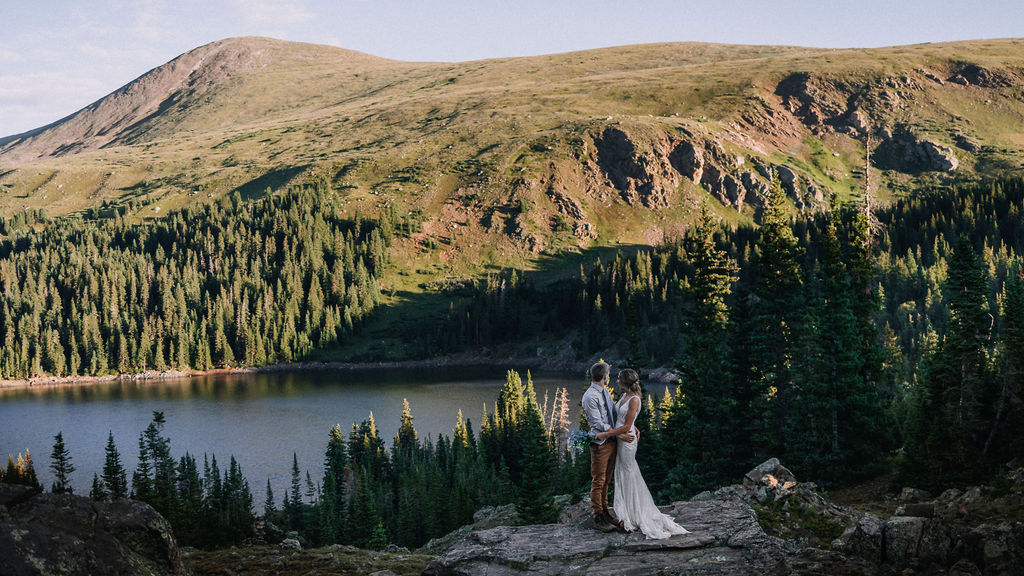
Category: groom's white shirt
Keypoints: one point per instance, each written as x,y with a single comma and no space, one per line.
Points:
597,409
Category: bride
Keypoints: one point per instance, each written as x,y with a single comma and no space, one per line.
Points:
632,500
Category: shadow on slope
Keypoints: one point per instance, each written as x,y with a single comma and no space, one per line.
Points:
403,326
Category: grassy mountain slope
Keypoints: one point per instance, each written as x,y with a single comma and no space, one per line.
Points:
513,162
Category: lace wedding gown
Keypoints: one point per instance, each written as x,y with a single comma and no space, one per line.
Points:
632,500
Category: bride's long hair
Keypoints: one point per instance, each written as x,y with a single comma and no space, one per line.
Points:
630,380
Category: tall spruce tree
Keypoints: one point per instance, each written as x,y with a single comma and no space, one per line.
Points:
61,466
115,478
837,421
1006,437
701,435
948,427
777,310
535,503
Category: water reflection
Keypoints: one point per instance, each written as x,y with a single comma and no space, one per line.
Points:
259,418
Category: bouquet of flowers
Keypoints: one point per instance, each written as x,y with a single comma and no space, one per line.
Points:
580,439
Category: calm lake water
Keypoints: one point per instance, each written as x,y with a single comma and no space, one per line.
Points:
261,419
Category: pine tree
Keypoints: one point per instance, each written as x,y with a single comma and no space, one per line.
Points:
190,524
849,397
142,477
777,306
115,478
1006,438
364,512
701,432
163,495
269,508
948,427
294,508
97,492
405,441
535,504
61,466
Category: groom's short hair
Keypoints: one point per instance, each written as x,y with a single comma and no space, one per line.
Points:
599,372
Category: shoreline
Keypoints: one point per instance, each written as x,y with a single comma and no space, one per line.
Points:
155,375
661,375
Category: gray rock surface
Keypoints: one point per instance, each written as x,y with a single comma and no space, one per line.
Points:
67,534
724,538
929,543
907,152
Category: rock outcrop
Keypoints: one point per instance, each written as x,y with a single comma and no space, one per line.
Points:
770,523
933,533
646,171
637,177
71,535
724,538
906,152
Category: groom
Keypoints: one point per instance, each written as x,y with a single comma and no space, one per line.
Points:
599,410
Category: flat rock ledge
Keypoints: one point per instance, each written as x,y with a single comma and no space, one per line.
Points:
724,539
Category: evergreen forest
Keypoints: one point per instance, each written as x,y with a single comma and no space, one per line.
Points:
844,343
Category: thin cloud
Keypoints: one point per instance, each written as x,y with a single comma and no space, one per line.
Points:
10,57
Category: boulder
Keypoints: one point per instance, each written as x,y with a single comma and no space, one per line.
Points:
967,143
641,178
863,538
860,121
919,510
757,189
996,548
734,191
912,541
787,178
939,157
68,534
914,495
490,516
396,549
290,544
771,467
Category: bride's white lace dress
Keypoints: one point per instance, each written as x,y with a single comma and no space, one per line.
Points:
632,500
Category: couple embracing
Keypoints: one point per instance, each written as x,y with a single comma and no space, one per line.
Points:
613,453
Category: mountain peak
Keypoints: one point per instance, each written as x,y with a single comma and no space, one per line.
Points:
136,111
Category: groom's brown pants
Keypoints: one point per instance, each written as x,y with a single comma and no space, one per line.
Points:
602,467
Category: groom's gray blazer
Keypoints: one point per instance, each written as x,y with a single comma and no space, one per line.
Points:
598,409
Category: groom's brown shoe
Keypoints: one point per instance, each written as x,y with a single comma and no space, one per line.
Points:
602,524
613,520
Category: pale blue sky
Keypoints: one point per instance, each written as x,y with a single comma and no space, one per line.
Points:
57,56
